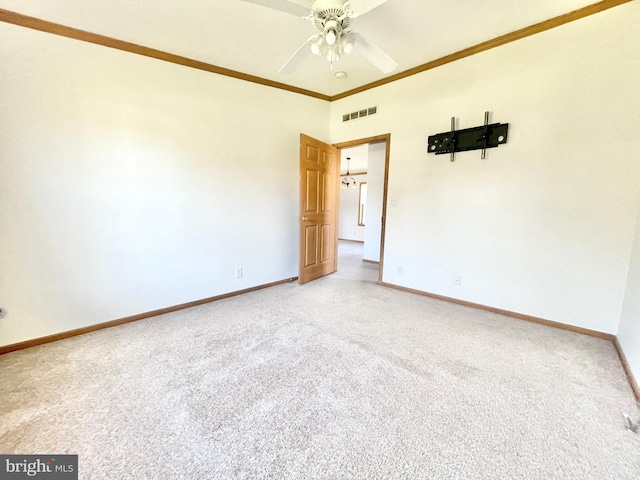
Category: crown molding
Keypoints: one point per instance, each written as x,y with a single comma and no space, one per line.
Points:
33,23
493,43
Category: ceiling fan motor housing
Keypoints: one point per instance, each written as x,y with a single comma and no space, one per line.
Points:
326,10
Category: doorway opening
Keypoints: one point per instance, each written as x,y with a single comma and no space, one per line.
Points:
362,212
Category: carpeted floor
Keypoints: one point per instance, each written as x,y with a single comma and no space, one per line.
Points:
339,378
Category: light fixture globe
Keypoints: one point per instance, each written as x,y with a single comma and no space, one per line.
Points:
316,46
331,32
347,39
330,37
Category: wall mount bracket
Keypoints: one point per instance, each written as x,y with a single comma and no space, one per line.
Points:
482,137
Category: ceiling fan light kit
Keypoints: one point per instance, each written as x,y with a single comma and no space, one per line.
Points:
332,19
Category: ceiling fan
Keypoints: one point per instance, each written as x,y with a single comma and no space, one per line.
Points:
332,19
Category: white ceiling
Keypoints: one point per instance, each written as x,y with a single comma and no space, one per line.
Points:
257,40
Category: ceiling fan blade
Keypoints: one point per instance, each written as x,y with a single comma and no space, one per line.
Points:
375,55
286,6
360,7
294,61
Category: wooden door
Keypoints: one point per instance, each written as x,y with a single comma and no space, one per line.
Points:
319,174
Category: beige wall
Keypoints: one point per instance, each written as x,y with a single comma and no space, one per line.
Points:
128,184
545,225
629,330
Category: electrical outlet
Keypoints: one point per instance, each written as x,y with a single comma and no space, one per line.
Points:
457,280
239,272
400,270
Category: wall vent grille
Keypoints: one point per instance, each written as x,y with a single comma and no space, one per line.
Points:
365,112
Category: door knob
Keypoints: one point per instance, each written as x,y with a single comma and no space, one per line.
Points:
304,219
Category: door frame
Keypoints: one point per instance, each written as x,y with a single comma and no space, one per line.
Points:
376,139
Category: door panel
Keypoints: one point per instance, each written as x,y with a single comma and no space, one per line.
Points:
312,192
327,193
318,213
327,241
311,246
313,153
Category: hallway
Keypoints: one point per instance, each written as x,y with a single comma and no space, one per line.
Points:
350,264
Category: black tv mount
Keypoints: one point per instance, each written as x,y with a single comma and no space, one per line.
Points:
482,137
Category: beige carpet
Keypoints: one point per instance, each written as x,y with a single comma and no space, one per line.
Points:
340,378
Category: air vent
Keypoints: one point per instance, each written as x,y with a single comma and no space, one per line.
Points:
365,112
